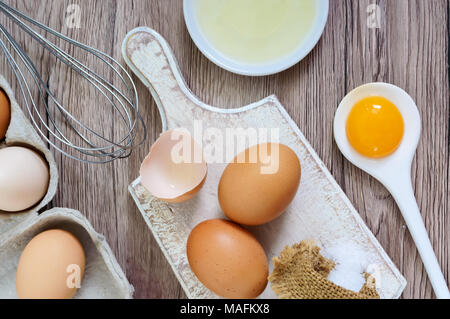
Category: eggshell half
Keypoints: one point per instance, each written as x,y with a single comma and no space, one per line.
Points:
227,259
24,178
259,184
175,169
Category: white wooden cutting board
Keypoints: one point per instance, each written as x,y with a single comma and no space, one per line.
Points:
320,210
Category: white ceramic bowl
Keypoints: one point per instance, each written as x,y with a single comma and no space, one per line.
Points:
254,69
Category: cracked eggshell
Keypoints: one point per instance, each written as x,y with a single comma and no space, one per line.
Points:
21,132
103,277
175,169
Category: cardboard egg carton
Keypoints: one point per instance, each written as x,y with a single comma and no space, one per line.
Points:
103,276
22,133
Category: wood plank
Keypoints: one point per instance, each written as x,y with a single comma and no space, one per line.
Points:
141,256
411,50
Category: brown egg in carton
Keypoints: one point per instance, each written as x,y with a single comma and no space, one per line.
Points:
22,133
103,276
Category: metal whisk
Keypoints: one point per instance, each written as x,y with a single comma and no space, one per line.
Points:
91,146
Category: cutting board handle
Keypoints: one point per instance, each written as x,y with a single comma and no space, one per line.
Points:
149,56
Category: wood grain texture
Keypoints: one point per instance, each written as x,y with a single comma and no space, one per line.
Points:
410,49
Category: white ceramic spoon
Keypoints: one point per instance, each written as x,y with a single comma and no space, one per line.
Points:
394,171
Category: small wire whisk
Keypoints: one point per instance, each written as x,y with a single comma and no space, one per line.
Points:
53,123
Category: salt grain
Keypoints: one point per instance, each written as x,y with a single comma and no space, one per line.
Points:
350,265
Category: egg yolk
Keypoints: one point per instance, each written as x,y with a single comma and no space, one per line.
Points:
375,127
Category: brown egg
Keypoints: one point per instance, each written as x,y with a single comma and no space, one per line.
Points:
5,113
227,259
51,266
259,184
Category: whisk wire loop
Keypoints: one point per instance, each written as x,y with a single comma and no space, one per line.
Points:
125,104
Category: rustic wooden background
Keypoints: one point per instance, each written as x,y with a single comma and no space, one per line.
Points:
410,49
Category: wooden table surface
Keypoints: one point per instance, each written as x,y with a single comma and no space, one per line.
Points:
409,49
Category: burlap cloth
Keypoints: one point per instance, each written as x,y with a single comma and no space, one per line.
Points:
301,272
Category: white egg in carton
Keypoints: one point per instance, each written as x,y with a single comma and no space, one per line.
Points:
21,133
103,276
